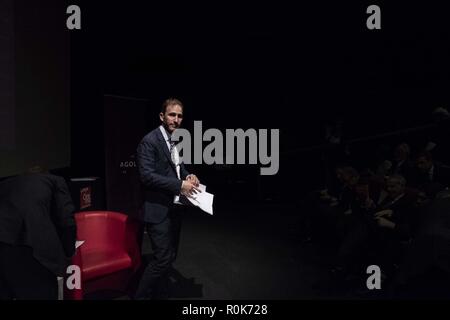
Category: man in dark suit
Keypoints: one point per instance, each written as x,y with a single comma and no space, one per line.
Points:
383,227
37,235
428,257
401,163
430,176
164,180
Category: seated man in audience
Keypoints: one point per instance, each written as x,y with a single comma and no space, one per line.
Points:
340,196
385,226
429,253
439,139
401,163
331,210
396,211
430,177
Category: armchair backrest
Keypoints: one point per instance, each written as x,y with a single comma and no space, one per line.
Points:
102,230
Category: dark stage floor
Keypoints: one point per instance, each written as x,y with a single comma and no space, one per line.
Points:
247,252
255,252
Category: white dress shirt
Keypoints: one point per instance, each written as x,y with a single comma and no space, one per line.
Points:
175,157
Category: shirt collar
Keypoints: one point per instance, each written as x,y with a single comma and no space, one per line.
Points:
165,134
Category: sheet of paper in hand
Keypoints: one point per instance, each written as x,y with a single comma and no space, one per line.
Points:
203,200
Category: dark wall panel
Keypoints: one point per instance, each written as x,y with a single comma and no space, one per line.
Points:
41,90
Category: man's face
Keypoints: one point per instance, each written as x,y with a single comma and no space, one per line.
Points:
423,164
172,118
340,175
394,188
351,180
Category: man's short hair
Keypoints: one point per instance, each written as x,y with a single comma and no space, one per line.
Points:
171,102
404,147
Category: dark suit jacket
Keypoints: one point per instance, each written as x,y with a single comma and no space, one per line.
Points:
36,210
404,216
158,176
431,247
405,169
441,180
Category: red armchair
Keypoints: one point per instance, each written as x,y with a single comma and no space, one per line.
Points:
110,254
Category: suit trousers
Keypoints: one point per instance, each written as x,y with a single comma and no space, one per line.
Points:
22,277
164,238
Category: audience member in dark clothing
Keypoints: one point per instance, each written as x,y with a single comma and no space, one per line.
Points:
439,142
382,227
430,250
429,176
400,164
330,206
37,234
341,194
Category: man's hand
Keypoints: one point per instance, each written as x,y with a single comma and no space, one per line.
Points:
384,213
385,223
188,188
193,178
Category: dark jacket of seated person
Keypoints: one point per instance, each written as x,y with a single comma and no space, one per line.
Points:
36,211
430,176
394,212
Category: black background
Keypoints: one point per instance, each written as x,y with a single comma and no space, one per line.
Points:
259,65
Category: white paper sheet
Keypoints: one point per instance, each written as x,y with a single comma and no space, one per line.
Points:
203,200
78,243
